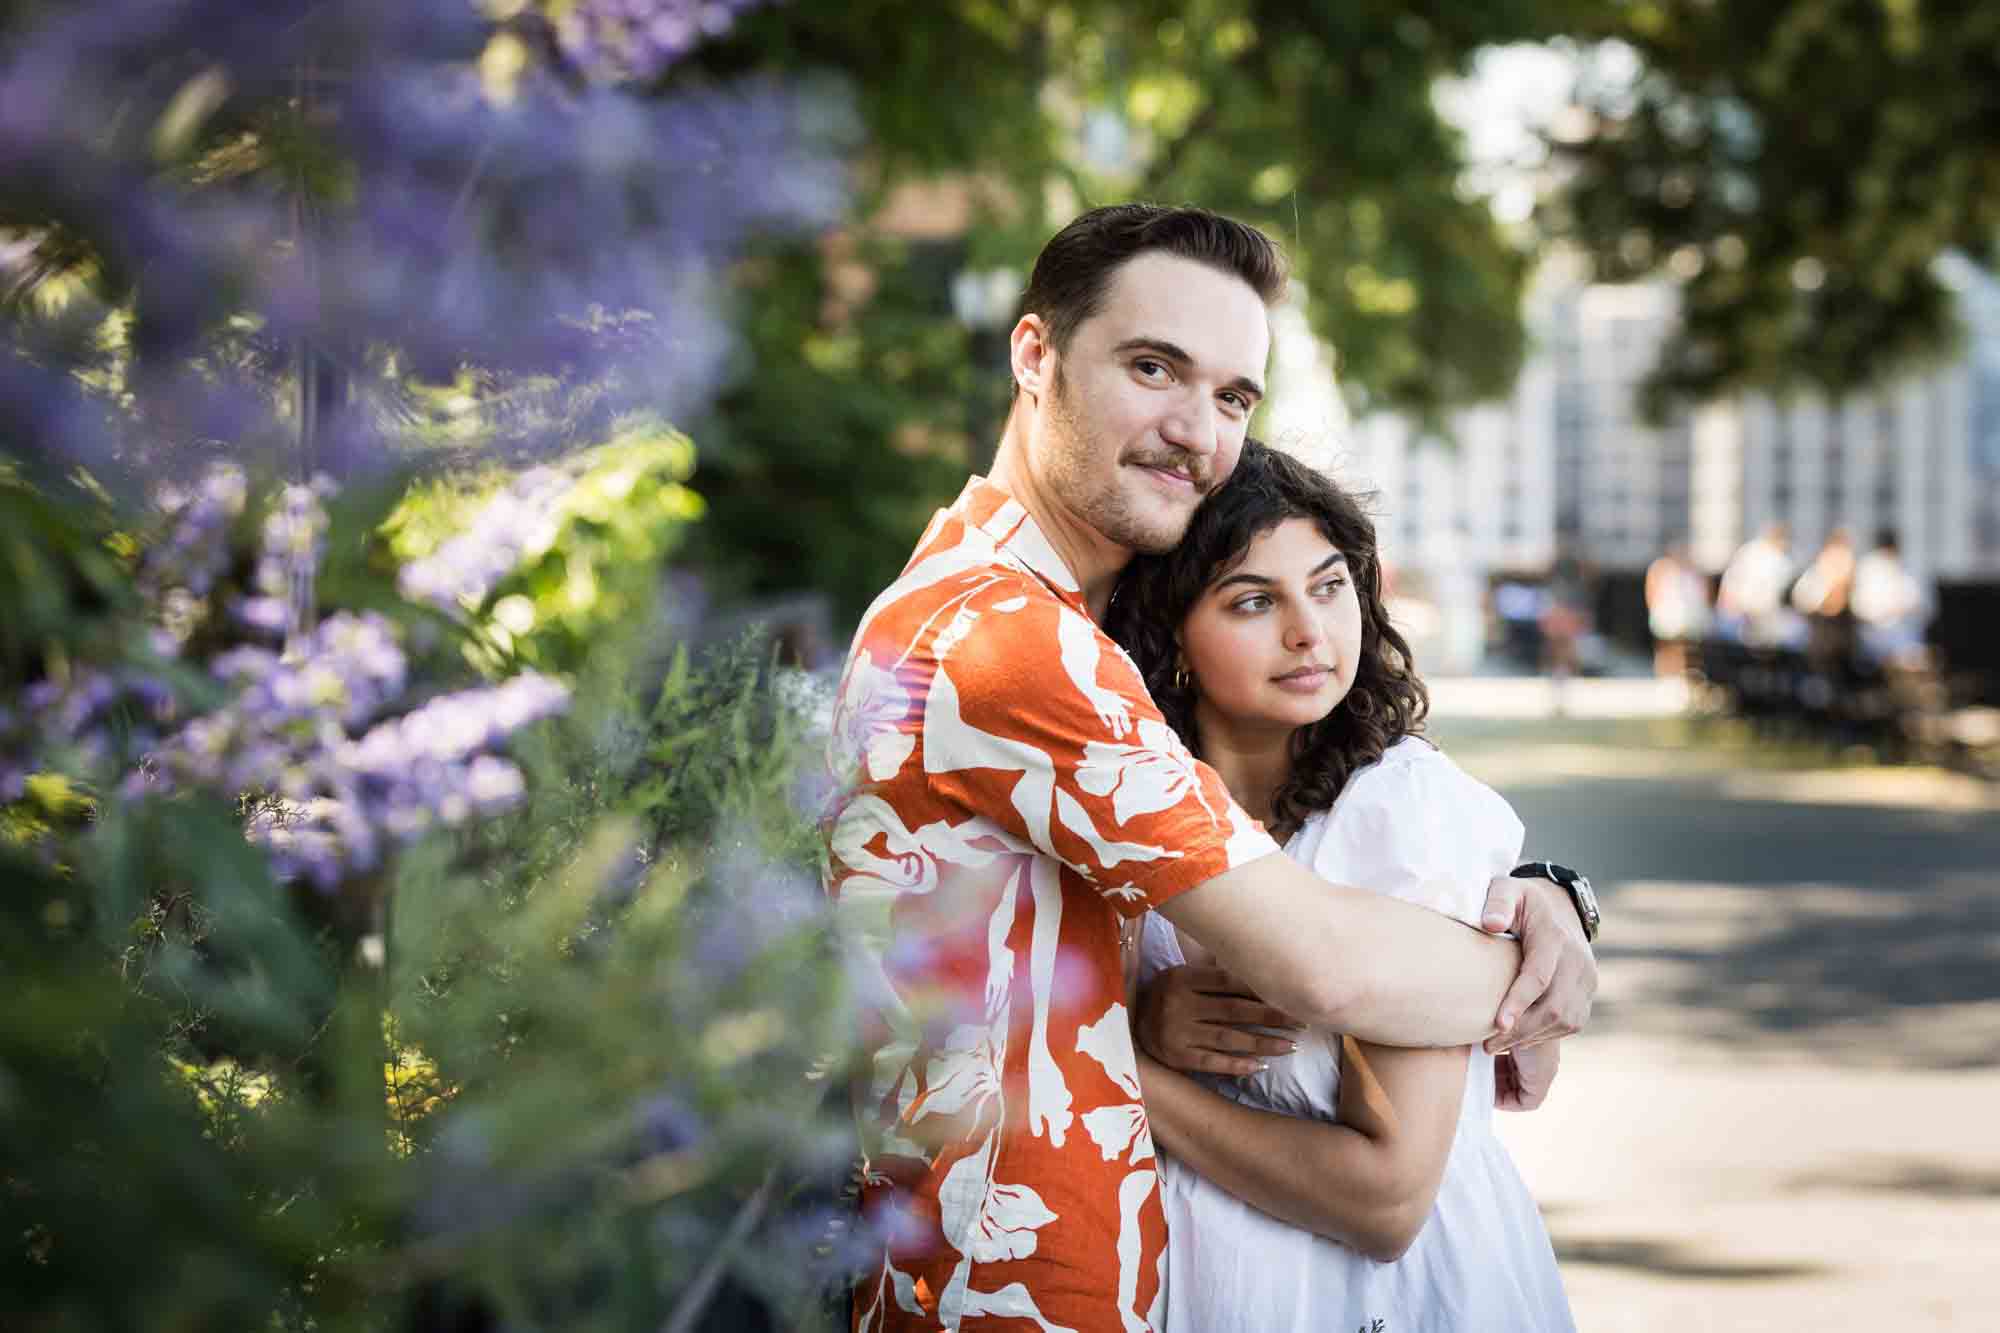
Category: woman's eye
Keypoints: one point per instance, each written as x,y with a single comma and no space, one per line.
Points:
1333,585
1257,603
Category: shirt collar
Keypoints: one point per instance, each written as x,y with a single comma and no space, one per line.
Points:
1014,532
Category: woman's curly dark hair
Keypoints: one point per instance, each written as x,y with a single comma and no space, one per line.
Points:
1156,592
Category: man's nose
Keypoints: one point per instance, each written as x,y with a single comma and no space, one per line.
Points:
1193,426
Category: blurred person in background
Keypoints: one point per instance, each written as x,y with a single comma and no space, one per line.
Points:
1750,603
1565,622
1345,1184
1677,610
1890,608
1014,803
1822,595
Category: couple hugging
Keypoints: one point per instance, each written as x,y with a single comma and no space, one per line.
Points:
1133,782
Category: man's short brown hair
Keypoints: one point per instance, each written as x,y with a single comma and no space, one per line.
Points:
1075,267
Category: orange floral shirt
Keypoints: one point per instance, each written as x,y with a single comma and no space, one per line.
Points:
1009,792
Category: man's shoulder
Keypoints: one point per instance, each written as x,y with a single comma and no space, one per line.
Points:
936,604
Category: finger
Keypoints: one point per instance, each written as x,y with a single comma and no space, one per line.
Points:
1230,1066
1244,1013
1528,987
1540,1025
1503,903
1235,1041
1544,1022
1219,981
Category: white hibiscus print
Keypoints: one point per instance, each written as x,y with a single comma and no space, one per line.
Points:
910,861
1117,1127
1080,643
1155,774
867,723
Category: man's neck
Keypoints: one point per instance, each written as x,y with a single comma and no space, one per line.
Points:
1253,761
1093,561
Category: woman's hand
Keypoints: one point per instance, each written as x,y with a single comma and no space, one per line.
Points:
1522,1077
1199,1020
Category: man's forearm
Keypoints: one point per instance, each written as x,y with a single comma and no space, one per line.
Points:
1415,977
1345,958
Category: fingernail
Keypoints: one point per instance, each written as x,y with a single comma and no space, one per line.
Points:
1263,1065
1291,1048
1506,1022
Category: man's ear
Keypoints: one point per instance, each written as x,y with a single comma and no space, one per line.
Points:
1031,355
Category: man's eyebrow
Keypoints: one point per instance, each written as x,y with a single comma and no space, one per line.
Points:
1260,581
1176,353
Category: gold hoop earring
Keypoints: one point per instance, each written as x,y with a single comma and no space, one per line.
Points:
1182,680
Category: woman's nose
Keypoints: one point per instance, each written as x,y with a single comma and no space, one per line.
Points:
1305,631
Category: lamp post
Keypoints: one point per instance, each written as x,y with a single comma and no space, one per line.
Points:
984,301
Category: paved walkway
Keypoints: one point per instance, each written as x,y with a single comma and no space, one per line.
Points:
1786,1115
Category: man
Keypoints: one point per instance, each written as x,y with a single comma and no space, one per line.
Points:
1017,802
1890,606
1751,598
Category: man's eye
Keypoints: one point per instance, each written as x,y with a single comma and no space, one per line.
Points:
1149,368
1237,401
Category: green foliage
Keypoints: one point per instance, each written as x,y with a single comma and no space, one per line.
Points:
825,459
1801,167
556,1071
589,568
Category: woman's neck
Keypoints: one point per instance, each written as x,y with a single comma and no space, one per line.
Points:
1254,760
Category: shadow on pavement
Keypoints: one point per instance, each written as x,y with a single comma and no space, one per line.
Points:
1668,1259
1867,934
1921,1177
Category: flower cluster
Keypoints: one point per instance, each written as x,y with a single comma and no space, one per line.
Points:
518,523
81,725
313,731
640,39
180,570
294,541
519,224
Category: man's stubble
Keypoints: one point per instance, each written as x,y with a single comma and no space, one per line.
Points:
1103,505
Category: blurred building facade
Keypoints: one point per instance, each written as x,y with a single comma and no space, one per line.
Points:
1567,467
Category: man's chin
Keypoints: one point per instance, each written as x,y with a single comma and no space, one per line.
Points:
1156,538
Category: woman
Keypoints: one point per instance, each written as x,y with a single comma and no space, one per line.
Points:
1345,1183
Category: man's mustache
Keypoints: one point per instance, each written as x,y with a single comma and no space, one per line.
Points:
1191,466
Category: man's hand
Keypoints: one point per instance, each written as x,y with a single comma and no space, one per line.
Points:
1194,1019
1522,1077
1558,980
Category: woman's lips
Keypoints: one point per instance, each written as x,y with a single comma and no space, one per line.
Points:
1304,682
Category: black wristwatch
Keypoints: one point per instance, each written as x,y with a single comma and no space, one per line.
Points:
1579,888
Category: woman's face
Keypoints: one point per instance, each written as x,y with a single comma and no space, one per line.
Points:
1275,641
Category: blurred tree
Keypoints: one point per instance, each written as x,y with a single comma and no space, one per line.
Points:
989,125
1800,167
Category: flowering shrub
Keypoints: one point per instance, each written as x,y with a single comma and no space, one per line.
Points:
294,1013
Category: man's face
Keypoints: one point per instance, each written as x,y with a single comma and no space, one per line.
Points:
1151,399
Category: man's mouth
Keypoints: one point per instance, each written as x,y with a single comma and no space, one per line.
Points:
1185,476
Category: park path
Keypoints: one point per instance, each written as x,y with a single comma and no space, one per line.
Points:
1786,1113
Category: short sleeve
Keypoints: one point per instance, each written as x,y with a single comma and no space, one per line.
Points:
1419,828
1036,720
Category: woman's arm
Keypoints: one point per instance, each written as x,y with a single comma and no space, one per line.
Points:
1368,1182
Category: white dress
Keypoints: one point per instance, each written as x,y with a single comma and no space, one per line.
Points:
1416,827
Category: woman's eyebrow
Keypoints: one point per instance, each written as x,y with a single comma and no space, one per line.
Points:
1263,581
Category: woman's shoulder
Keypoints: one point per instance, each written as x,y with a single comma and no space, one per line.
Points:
1418,790
1411,762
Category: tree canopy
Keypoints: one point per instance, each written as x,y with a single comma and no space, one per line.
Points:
1799,167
